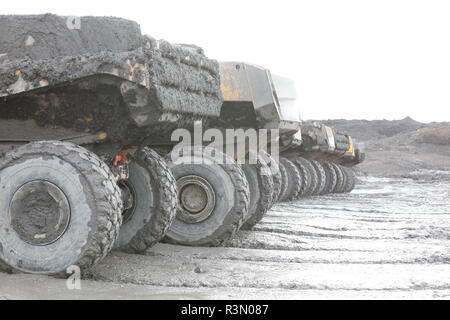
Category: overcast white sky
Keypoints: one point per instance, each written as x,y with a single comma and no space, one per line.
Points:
349,59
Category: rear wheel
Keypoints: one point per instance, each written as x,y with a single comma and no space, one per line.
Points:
330,180
59,206
321,177
350,179
353,175
310,174
276,175
277,181
261,184
213,198
284,181
302,166
339,188
294,180
152,202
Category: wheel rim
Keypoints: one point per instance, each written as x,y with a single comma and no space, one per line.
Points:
40,212
128,199
197,199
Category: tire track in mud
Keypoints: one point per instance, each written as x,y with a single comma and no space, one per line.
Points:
213,273
315,245
117,291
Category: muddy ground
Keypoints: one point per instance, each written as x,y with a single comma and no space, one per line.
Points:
389,239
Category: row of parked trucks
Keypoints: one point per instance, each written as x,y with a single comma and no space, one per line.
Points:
88,160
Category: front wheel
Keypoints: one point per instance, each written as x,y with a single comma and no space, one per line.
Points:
308,174
151,204
213,198
330,178
350,179
321,177
294,181
340,181
261,184
59,206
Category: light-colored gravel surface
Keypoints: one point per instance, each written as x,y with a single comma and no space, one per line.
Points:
388,239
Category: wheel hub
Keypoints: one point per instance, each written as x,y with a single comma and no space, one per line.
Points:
197,199
128,199
40,212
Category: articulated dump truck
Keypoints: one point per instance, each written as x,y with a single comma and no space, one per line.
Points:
89,108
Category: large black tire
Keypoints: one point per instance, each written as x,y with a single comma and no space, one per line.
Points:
311,175
339,188
330,181
218,221
314,177
321,177
59,206
353,178
294,181
155,202
277,183
276,175
261,184
350,179
284,181
302,166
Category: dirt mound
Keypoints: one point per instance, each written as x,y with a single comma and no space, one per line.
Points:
439,136
48,36
400,147
366,130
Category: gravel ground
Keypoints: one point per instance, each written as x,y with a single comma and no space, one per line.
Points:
388,239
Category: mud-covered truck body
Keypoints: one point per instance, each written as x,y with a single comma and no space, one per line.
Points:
81,101
254,98
321,142
103,78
